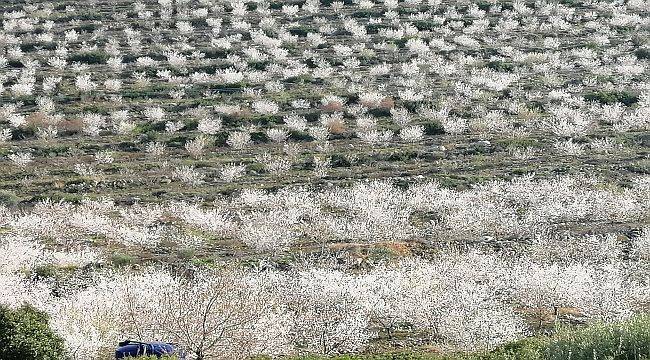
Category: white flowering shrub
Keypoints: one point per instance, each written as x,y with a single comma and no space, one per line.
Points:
21,159
232,172
412,133
239,140
188,175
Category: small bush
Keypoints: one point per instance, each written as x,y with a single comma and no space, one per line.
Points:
91,57
149,126
338,160
425,25
25,335
433,128
45,271
259,137
642,54
300,136
22,134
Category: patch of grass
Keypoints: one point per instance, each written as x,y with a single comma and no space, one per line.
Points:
149,127
628,340
186,253
91,57
639,167
400,156
22,133
51,271
127,146
424,25
501,66
119,259
256,168
54,150
611,97
571,3
299,136
642,54
520,142
191,124
35,46
363,14
177,141
215,53
8,198
45,271
259,137
301,30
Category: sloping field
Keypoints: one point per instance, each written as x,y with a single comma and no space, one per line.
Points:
316,178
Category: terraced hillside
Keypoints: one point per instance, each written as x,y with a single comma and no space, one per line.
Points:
338,176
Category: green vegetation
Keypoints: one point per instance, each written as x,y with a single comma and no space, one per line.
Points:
8,197
90,57
625,341
500,66
122,259
629,340
642,54
25,335
611,97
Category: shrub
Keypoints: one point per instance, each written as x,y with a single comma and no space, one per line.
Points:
426,25
339,160
25,335
22,133
433,128
300,136
91,57
259,137
45,271
149,127
642,54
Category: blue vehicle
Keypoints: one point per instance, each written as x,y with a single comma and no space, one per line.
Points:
134,349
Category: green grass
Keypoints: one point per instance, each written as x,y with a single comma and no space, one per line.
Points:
626,341
629,340
611,97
